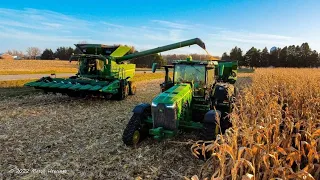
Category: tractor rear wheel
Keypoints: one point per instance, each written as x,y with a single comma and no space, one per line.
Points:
209,131
135,131
210,127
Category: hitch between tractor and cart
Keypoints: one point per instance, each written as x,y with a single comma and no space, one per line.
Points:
159,133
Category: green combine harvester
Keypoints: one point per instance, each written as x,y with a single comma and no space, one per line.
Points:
103,71
199,96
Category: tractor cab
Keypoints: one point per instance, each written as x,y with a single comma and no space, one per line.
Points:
199,74
193,74
168,80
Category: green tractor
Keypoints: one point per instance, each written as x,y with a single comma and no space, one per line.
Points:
199,96
103,71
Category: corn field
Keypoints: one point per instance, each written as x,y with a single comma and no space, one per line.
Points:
37,66
275,133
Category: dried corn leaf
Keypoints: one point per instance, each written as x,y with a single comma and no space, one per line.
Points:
247,176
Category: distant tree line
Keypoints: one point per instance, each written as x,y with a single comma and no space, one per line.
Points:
62,53
288,56
147,61
169,58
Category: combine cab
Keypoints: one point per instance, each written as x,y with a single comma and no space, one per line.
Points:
199,96
103,71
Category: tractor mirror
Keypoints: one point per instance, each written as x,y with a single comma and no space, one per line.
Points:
154,67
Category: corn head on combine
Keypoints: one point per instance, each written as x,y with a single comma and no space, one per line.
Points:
103,71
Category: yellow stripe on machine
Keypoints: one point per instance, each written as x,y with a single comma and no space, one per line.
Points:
120,51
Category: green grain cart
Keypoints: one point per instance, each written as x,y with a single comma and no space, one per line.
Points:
199,96
103,71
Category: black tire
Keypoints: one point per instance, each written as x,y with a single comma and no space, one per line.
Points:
123,91
82,94
132,88
135,125
210,127
72,94
209,131
107,96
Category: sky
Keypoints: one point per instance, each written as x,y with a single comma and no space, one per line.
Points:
222,25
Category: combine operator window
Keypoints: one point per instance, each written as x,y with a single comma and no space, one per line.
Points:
83,66
194,74
90,66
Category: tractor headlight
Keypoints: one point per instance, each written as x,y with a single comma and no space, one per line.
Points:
154,104
171,106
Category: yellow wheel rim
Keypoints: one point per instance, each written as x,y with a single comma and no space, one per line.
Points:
136,137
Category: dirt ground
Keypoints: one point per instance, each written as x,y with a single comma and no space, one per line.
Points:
57,137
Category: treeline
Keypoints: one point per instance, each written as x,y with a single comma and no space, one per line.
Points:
288,56
171,57
61,53
146,61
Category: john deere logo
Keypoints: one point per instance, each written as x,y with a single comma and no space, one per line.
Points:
160,110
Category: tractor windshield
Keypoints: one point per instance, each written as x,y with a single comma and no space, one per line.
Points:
191,73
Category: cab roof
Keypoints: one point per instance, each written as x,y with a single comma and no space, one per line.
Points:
196,62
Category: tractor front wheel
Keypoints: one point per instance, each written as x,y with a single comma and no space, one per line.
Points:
135,131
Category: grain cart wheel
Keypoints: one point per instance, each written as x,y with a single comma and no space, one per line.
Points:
132,88
210,128
135,131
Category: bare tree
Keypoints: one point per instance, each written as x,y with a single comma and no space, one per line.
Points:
33,52
15,53
9,52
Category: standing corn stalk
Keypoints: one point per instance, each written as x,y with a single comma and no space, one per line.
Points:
275,133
